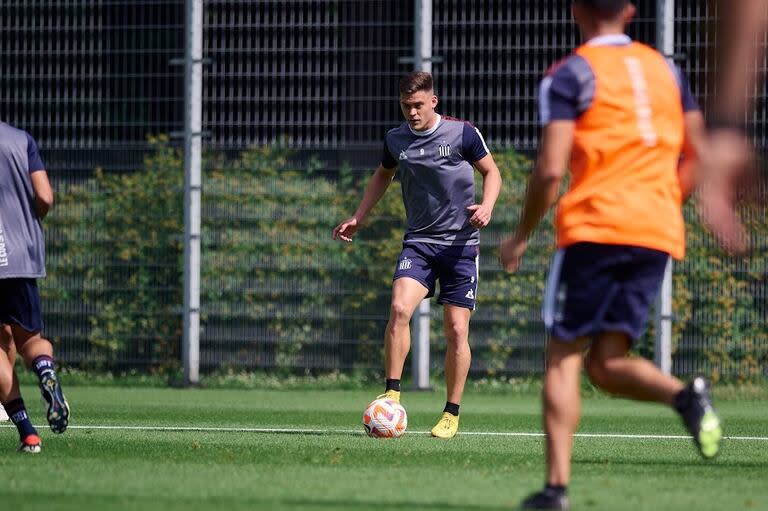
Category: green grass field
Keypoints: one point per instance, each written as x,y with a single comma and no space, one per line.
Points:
145,467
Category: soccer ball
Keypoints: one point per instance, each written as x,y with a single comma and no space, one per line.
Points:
385,418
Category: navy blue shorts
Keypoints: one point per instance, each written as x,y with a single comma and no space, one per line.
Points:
454,267
594,288
20,304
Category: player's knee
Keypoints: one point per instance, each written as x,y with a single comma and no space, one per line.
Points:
599,373
6,377
399,313
457,338
6,382
456,333
6,338
602,373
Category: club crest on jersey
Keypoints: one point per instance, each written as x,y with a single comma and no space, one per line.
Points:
444,150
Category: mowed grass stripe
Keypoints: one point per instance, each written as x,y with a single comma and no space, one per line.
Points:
198,455
307,431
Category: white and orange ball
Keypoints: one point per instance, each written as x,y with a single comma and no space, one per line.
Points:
385,418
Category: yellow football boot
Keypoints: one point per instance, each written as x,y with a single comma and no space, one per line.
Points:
394,395
447,426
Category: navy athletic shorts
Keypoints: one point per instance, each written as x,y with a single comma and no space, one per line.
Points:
454,267
594,288
20,304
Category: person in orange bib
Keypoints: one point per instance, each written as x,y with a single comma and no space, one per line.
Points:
620,116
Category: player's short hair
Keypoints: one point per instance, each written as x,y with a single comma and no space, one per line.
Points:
415,82
606,8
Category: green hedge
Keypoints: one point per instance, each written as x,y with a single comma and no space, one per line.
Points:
277,293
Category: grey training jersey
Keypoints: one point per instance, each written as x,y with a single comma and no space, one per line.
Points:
22,248
437,179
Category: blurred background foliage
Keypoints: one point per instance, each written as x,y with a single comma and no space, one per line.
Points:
278,294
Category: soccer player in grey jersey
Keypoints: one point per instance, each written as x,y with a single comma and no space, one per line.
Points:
437,157
25,199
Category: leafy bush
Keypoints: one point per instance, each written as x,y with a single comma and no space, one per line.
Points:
278,294
119,239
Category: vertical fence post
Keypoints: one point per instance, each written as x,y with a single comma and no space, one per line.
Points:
665,42
663,322
422,61
193,107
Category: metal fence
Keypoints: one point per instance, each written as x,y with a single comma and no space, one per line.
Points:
298,95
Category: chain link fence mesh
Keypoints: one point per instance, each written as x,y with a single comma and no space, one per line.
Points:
298,95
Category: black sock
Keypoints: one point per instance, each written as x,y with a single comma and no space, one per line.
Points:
18,414
43,365
392,384
451,408
681,400
555,490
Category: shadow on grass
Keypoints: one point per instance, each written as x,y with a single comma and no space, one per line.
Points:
145,503
389,504
716,464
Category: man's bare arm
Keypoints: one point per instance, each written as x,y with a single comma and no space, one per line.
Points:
481,213
374,191
43,192
543,187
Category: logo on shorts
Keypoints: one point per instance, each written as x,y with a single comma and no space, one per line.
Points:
470,294
444,150
405,264
402,156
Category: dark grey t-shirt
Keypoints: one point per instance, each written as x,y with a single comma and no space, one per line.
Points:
437,179
22,247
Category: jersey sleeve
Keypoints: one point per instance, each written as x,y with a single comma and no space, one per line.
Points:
33,155
686,96
567,91
387,160
473,144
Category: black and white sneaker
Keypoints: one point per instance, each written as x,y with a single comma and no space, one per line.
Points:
695,408
56,407
546,499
